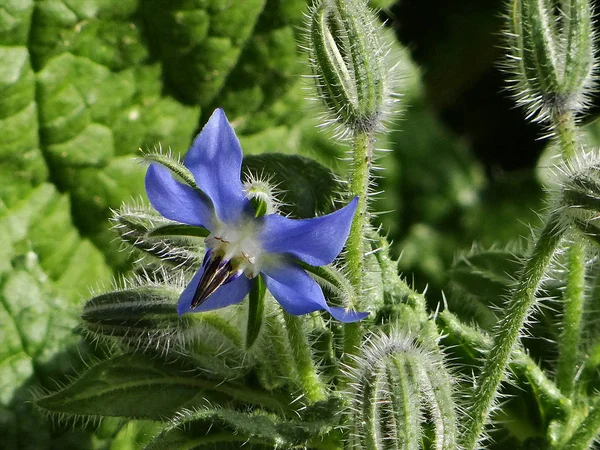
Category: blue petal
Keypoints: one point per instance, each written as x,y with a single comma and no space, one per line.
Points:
229,294
177,201
315,241
299,294
215,160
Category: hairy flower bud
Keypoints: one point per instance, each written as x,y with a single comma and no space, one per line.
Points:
580,196
395,385
551,53
348,59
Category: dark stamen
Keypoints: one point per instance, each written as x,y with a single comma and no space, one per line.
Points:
216,273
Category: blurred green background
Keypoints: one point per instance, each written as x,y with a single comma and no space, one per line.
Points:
85,84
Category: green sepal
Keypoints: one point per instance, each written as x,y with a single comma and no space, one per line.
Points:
541,39
579,43
134,314
334,283
179,229
256,310
582,201
552,55
225,428
146,230
173,165
144,387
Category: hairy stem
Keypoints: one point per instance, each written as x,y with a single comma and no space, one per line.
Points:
359,186
477,342
573,299
566,133
312,385
508,331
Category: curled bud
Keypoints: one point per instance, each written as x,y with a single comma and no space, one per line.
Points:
396,385
551,54
348,59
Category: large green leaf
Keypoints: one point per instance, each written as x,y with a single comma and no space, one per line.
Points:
39,312
142,387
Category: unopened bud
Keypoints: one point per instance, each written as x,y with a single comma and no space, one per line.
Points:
395,385
552,55
581,200
348,59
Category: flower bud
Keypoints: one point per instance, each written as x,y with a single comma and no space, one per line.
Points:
551,53
262,194
580,197
395,385
348,59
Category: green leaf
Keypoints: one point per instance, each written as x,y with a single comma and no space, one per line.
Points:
199,43
307,187
266,68
480,281
39,345
225,428
137,386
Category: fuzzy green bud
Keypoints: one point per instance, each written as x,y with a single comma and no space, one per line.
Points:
551,53
580,198
348,59
395,385
262,194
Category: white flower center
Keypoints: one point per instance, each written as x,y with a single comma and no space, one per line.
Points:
238,244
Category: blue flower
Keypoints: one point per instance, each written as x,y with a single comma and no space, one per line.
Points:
240,246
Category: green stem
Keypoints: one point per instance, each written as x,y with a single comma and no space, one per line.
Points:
508,330
587,431
573,298
307,372
359,186
552,403
566,133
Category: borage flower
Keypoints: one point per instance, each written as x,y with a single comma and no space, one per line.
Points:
241,246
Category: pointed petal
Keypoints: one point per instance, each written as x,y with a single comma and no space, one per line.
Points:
315,241
177,201
299,294
215,160
229,294
345,315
